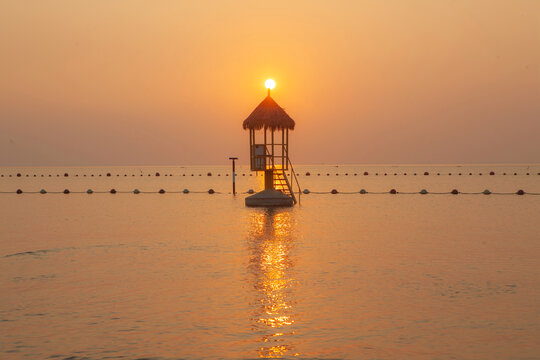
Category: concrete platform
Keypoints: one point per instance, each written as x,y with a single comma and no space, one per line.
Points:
269,198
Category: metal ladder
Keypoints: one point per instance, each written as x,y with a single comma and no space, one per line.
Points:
281,183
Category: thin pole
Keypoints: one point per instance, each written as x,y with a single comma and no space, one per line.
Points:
233,175
283,149
273,148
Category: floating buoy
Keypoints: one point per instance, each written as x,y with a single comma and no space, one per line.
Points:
480,174
211,191
363,191
19,191
250,191
450,174
520,192
318,174
89,191
18,175
113,191
385,174
136,191
404,174
337,174
186,191
308,174
161,191
491,173
438,174
366,173
42,191
423,191
218,174
334,191
209,174
504,173
346,174
486,192
426,173
327,174
66,174
395,174
393,191
306,191
243,174
108,174
376,174
470,173
459,174
414,174
515,173
454,192
527,174
158,174
66,191
191,174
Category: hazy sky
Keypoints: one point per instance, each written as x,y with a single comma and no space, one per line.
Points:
170,82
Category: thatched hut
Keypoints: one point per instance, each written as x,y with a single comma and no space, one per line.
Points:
268,115
269,152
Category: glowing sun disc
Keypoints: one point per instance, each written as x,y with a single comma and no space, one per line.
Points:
270,84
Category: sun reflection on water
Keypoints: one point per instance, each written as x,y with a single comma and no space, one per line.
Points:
271,242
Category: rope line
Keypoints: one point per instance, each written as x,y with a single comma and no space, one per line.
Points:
305,191
492,173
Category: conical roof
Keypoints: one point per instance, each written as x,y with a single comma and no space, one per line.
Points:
269,115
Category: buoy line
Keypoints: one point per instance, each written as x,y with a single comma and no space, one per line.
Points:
251,191
157,174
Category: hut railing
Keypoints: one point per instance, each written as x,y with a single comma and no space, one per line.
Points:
295,179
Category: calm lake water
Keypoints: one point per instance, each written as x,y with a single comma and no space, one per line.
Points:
200,276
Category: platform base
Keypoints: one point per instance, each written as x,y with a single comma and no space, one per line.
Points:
269,198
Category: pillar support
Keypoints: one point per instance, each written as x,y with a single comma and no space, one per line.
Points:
268,179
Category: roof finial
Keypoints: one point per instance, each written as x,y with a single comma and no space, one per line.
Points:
270,84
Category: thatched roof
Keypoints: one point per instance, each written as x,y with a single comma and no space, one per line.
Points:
268,115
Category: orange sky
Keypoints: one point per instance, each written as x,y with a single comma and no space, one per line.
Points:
170,82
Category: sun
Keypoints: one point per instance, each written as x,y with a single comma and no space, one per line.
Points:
270,84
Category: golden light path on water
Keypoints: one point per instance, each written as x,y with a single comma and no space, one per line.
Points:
271,242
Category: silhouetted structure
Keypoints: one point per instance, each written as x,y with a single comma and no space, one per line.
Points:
269,127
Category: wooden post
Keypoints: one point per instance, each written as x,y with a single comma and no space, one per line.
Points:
283,149
287,146
233,175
